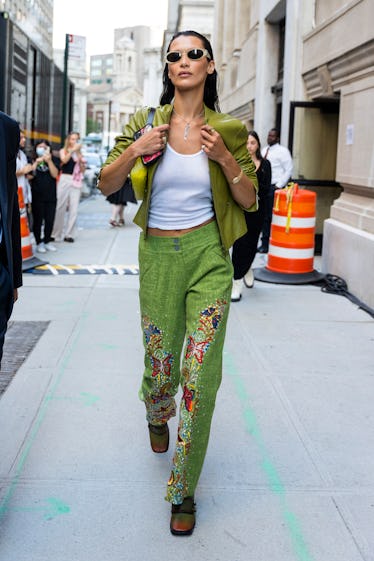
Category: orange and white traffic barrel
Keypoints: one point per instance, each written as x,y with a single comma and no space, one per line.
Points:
28,259
291,247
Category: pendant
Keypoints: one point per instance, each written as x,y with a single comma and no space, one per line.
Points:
186,131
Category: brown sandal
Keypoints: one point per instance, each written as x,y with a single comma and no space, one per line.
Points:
159,437
182,520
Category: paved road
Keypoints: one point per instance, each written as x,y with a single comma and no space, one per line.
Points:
289,474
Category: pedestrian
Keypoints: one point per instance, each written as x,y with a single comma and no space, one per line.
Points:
69,188
118,201
43,188
191,214
10,237
281,170
245,248
24,170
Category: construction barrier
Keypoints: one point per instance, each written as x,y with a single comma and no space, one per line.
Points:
28,259
291,247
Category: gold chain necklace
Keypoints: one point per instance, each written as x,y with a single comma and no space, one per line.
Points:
188,123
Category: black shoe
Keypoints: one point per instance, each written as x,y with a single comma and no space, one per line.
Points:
51,239
262,249
70,240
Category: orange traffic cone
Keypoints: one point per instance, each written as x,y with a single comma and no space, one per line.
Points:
291,248
28,259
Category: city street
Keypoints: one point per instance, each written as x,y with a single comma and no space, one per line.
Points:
289,473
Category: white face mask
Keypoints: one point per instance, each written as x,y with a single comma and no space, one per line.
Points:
40,151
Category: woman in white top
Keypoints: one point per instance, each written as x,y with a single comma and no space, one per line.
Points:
190,215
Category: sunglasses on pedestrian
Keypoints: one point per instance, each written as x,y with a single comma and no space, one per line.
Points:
193,54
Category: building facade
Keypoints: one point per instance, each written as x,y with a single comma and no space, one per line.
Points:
306,67
31,84
101,69
34,18
117,82
189,14
77,73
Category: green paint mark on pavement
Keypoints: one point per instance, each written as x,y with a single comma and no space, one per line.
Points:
54,508
275,484
5,502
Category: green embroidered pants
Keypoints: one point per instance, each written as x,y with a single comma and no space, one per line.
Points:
185,290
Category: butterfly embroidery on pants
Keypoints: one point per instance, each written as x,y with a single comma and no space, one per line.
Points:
196,349
161,366
188,396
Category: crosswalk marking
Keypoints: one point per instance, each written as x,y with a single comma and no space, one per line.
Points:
79,269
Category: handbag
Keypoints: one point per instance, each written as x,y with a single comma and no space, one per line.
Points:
77,176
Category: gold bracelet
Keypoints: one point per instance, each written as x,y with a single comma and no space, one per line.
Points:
236,179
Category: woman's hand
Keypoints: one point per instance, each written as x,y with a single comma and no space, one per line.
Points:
212,144
28,168
243,191
151,141
113,176
47,156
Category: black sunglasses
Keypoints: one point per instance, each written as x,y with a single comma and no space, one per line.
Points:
193,54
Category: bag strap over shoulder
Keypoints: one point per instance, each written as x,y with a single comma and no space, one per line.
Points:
151,114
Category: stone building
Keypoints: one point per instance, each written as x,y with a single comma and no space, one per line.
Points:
125,80
189,14
77,73
35,20
307,68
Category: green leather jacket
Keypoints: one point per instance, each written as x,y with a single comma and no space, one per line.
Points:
229,215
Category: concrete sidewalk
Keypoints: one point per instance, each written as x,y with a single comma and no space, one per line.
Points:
289,474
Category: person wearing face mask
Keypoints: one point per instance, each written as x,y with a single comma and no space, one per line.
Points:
43,187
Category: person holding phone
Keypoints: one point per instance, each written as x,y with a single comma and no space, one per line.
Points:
43,188
191,214
68,191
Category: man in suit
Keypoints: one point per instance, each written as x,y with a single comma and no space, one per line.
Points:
10,238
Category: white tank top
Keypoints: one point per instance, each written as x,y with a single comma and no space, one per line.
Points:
181,192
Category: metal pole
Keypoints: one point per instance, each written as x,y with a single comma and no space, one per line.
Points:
65,90
110,118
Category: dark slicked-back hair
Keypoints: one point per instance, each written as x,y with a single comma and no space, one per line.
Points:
210,88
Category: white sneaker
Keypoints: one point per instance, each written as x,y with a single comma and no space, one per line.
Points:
249,278
50,247
236,292
40,248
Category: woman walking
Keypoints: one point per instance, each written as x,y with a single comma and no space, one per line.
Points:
118,201
192,212
245,248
